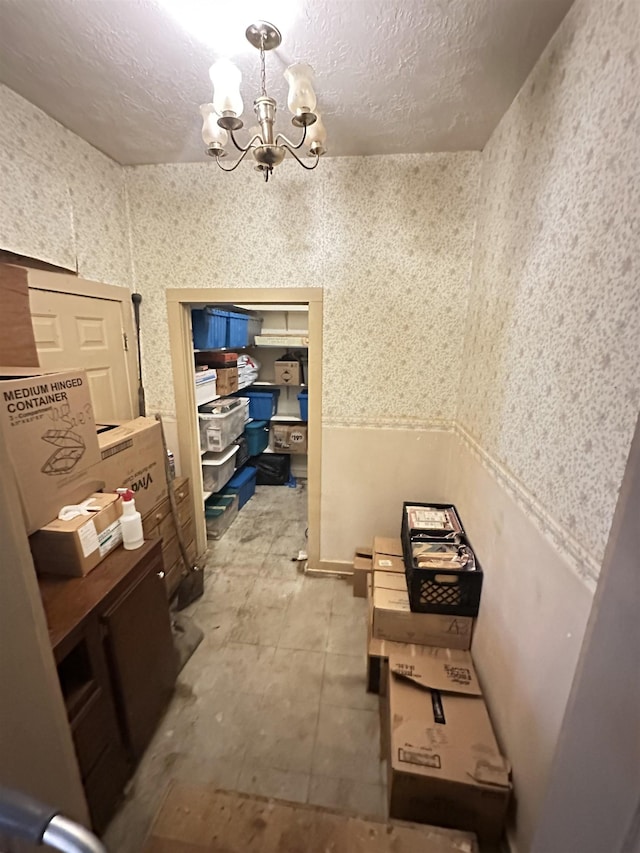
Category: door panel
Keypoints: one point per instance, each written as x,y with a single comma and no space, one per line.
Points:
85,332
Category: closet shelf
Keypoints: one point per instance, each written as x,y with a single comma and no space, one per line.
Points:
294,419
280,384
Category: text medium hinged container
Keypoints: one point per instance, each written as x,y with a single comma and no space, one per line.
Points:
442,570
218,468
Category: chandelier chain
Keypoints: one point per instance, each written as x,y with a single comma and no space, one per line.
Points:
263,73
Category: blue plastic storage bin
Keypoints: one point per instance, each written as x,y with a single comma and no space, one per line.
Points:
303,399
243,483
257,436
209,328
238,330
262,404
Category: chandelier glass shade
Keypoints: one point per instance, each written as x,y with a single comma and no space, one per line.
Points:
222,118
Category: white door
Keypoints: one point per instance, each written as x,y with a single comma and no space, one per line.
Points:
85,332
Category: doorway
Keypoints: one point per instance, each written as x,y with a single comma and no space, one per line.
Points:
179,304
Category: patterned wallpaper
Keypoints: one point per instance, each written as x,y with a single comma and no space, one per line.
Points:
551,386
61,201
388,238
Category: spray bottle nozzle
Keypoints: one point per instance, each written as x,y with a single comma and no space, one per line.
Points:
125,494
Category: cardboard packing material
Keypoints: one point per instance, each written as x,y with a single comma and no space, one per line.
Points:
393,618
388,563
361,572
77,546
287,373
445,765
50,432
387,545
289,438
378,652
132,457
227,380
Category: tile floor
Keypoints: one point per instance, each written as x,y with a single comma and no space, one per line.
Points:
273,701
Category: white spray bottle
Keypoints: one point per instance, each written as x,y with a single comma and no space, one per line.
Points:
130,521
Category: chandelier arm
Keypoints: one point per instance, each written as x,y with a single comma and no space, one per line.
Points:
289,142
293,153
236,164
248,145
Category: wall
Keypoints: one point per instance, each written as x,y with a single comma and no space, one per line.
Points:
61,200
550,393
388,239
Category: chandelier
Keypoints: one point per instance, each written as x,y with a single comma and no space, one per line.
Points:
221,119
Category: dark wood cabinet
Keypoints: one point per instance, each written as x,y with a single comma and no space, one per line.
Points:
140,649
111,636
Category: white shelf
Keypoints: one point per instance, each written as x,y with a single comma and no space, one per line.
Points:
293,419
206,495
281,384
280,346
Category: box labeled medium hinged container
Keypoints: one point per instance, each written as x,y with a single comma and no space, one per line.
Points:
50,432
77,546
445,766
443,572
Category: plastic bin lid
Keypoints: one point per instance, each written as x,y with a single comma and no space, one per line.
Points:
220,457
242,477
304,393
256,425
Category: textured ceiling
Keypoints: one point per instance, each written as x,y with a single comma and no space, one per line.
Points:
391,77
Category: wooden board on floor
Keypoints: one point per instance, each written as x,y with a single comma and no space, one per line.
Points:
201,819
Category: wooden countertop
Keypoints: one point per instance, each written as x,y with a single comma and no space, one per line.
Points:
68,602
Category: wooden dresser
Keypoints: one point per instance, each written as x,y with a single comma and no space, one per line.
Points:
111,637
158,523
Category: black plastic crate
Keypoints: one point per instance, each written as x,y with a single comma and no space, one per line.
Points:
455,592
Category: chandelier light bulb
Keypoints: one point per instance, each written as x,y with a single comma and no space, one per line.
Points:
226,78
302,98
212,133
317,136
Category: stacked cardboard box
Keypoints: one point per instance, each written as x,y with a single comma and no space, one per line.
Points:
444,765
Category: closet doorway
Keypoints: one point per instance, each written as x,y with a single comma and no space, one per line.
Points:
179,305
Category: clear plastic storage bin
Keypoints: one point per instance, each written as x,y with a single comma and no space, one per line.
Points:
220,512
218,468
218,430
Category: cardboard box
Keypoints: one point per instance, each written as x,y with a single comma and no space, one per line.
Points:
288,373
50,432
387,545
361,572
226,381
77,546
378,652
393,618
132,457
445,766
289,438
388,563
